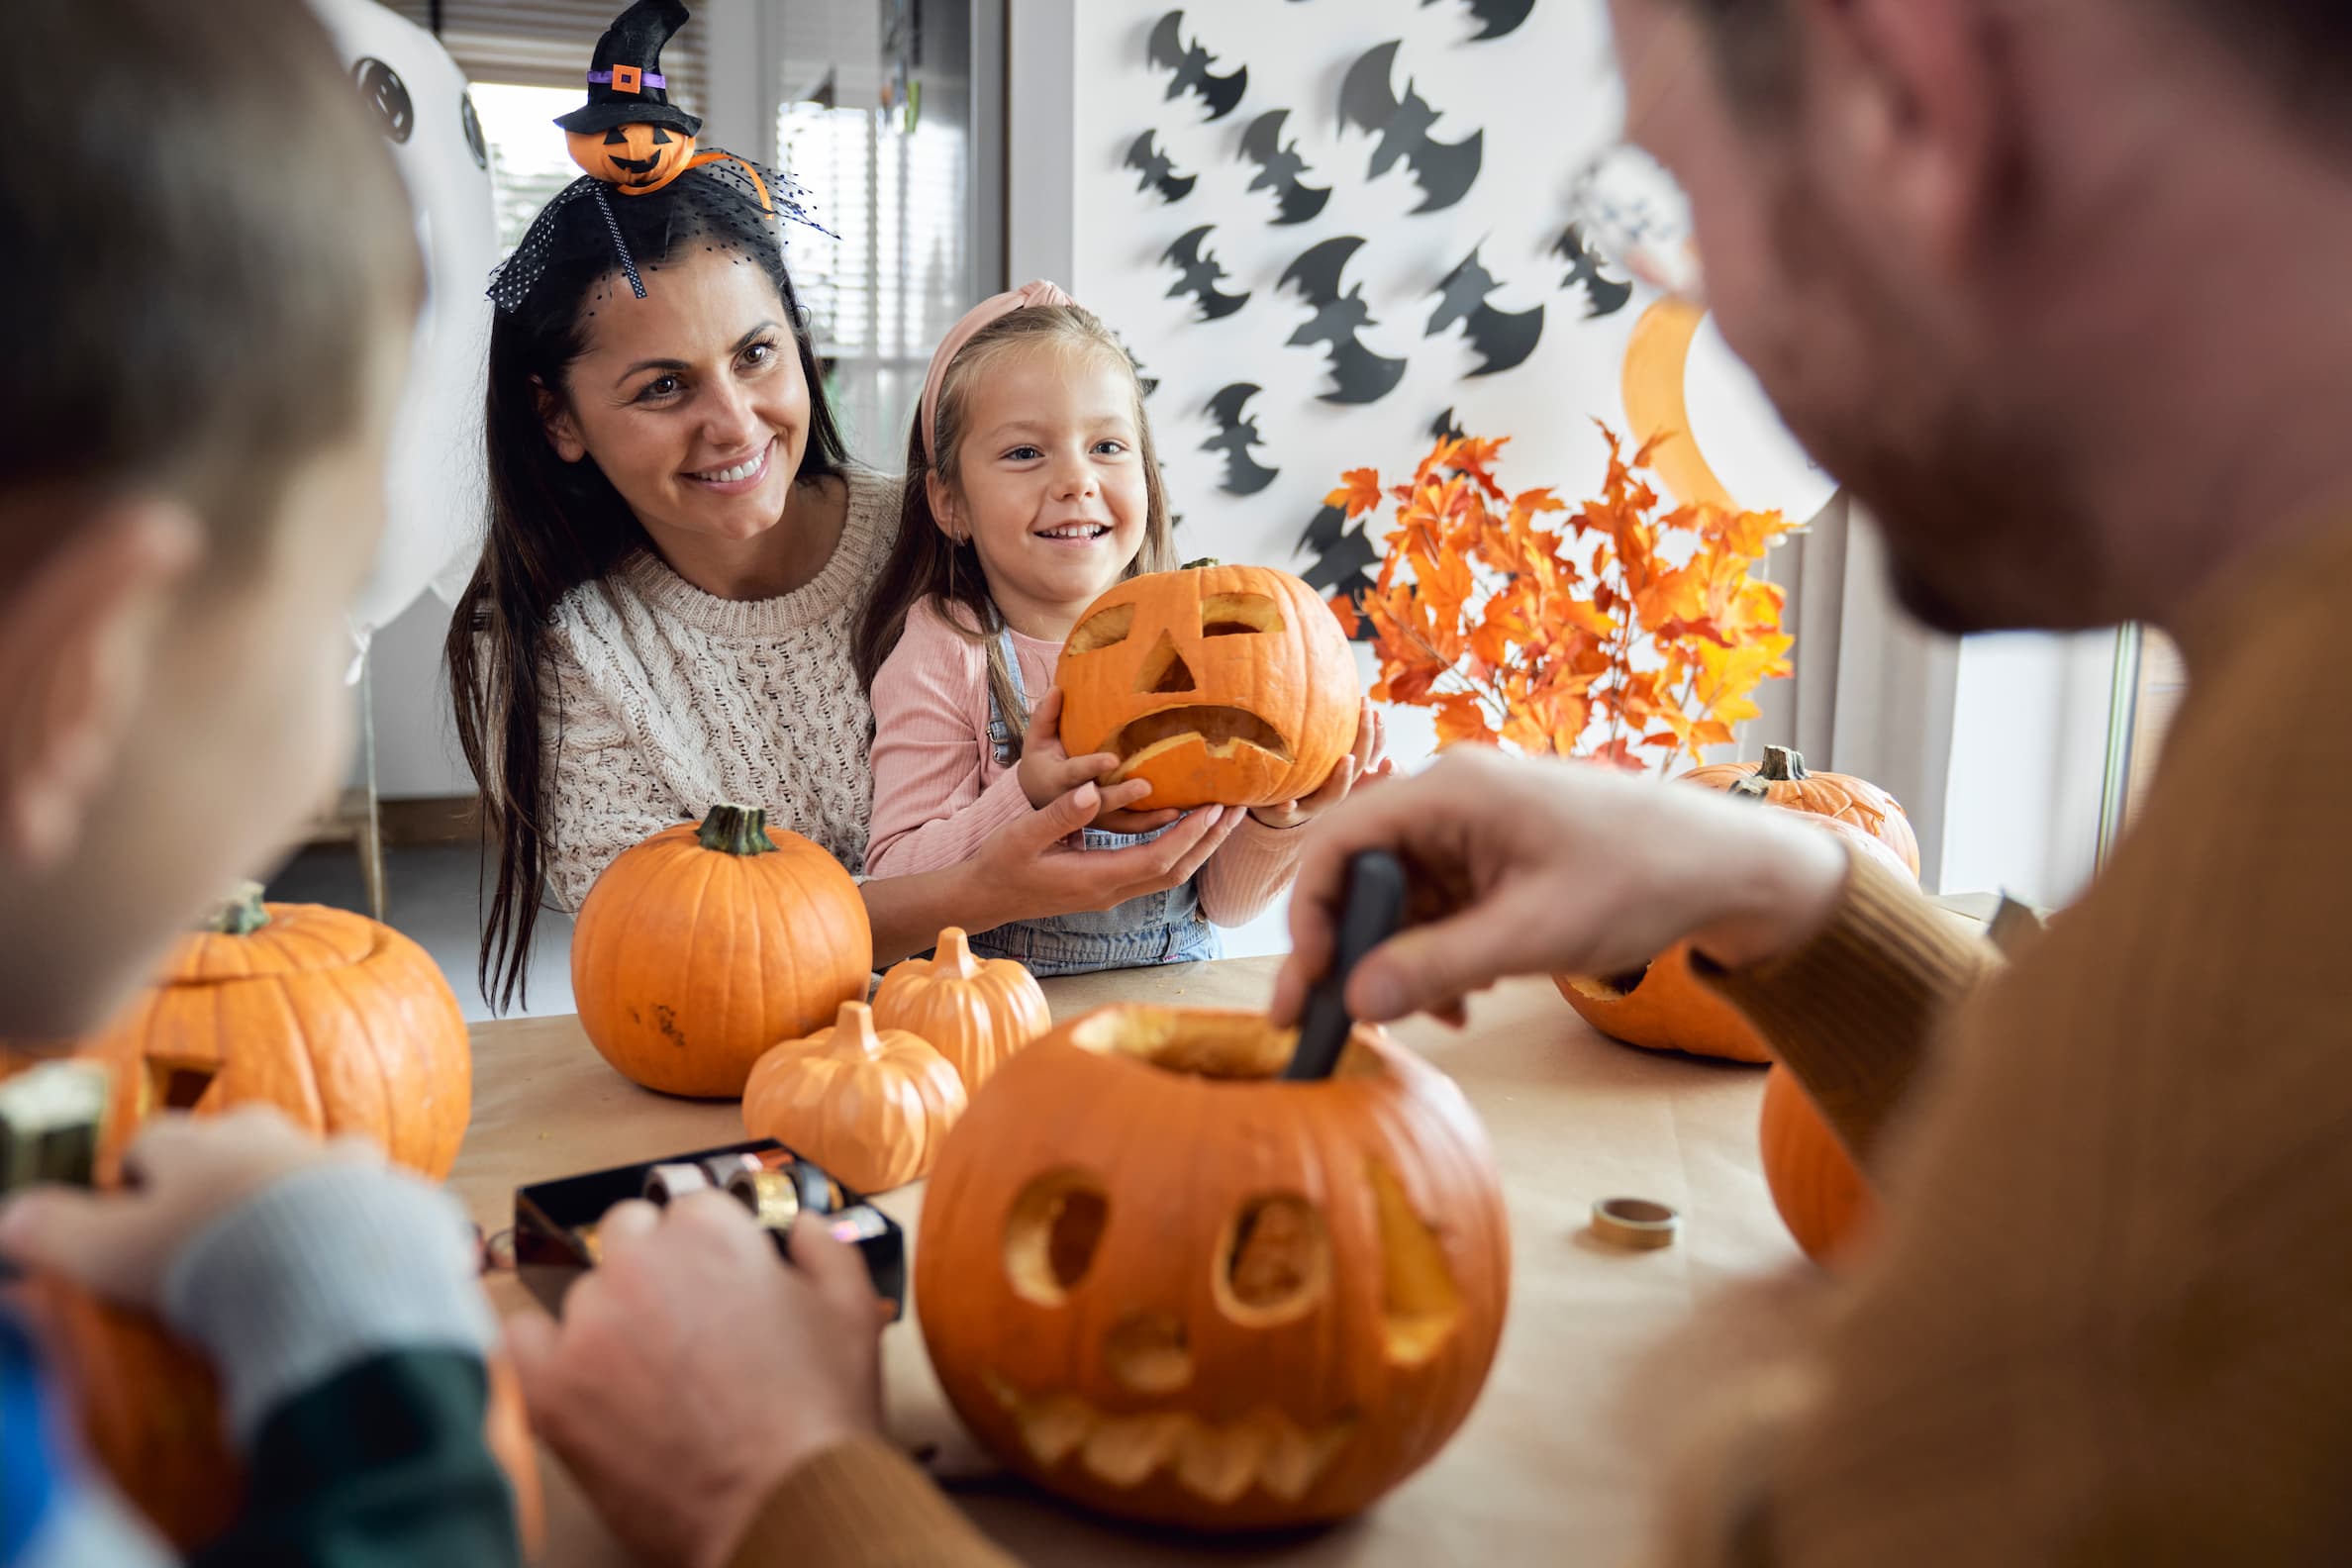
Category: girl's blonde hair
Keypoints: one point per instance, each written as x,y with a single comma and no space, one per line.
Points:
924,564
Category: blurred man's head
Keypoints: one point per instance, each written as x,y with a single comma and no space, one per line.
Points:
208,269
1971,247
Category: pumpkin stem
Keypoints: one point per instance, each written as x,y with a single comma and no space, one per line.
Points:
1751,788
853,1032
955,957
1782,765
736,831
239,915
1202,563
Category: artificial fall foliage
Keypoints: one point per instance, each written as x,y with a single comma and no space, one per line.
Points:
1616,633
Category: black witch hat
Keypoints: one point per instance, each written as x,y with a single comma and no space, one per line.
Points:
625,83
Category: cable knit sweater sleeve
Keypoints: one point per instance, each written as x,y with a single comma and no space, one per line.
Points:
606,798
934,803
1245,876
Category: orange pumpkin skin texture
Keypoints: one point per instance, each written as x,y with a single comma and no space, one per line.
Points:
345,1025
1821,1198
1785,782
1219,685
638,158
150,1411
872,1106
1165,1285
1666,1007
975,1013
703,946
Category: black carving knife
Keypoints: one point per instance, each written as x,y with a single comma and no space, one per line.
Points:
1370,915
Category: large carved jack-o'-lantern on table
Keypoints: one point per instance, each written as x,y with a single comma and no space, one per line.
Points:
1164,1283
1219,685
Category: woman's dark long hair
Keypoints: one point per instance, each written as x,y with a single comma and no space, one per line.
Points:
554,526
924,564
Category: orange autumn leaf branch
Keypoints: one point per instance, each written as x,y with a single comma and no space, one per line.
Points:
1621,632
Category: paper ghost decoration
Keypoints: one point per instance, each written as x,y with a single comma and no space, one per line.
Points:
433,499
1445,170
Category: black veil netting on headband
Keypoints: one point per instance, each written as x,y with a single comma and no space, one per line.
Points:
724,204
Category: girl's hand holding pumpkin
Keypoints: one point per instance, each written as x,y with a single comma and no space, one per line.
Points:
676,1422
1366,764
1522,867
1047,773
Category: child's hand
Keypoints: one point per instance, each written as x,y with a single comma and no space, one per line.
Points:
1047,773
1368,763
187,1173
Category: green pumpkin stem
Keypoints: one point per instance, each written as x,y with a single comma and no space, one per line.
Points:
1202,564
1782,765
1751,788
736,830
239,915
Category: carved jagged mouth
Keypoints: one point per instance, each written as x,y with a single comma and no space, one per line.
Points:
1224,730
1218,1464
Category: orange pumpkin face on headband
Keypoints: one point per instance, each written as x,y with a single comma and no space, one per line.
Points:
635,158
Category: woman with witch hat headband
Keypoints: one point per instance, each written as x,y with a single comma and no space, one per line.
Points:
679,548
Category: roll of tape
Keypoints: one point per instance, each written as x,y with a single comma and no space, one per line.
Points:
1635,1223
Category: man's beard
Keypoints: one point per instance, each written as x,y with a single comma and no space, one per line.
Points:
1969,488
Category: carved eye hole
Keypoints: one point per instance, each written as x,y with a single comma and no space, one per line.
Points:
1419,1303
1051,1237
1275,1264
1238,615
1104,629
177,1086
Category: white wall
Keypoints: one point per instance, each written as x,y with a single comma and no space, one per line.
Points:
2029,765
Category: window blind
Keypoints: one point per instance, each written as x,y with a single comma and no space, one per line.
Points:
547,42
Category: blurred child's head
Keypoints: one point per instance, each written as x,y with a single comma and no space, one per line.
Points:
208,274
1045,488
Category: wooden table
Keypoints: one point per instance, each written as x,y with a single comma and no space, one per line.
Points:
1541,1473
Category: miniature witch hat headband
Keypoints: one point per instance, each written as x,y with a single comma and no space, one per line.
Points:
631,139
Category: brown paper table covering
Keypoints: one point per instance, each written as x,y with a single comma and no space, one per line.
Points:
1539,1474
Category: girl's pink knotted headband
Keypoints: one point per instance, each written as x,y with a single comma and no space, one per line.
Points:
976,321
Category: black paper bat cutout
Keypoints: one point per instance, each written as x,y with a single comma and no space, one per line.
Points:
1358,375
1146,158
1279,168
1503,339
1199,275
1446,428
1499,16
1605,296
1190,63
1235,436
1344,559
1445,170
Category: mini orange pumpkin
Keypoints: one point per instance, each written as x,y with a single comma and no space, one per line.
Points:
151,1414
1190,1293
343,1025
637,157
870,1106
1219,685
973,1012
1785,782
1821,1198
703,946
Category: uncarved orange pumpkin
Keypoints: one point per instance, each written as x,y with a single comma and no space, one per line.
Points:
1822,1197
703,946
345,1025
1785,781
870,1106
151,1413
975,1013
1219,685
1188,1292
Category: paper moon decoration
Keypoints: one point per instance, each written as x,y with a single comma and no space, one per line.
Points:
433,496
1729,448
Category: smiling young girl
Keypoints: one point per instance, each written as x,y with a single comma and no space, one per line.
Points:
1031,488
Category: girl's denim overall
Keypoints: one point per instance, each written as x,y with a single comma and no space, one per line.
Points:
1158,928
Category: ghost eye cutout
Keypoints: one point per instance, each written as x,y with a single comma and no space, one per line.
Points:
1238,615
1420,1304
1102,631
